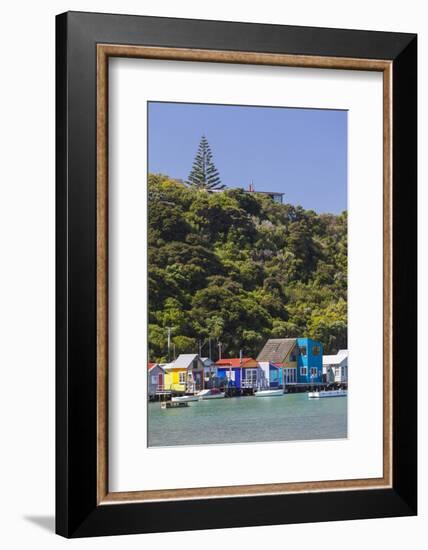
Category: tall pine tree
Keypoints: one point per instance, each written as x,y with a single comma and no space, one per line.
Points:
204,174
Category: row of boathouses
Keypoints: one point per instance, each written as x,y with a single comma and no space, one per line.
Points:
282,363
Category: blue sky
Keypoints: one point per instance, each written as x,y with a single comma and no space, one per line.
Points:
299,152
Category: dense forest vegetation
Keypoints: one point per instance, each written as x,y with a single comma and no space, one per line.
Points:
238,268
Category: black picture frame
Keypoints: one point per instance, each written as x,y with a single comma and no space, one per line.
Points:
77,511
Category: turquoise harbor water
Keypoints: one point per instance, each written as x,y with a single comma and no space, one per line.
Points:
248,419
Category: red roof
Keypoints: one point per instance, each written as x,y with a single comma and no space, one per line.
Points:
233,361
151,365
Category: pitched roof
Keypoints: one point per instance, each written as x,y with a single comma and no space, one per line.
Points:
234,361
340,356
150,366
276,350
183,361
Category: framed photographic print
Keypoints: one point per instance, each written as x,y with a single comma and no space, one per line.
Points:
236,274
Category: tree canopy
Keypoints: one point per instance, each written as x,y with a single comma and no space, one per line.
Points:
238,268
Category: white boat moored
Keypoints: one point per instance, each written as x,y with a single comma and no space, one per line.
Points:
184,398
268,393
327,393
214,393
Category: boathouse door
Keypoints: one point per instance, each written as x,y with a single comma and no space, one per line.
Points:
290,376
160,381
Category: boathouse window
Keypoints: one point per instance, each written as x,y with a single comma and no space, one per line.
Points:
302,350
182,377
316,350
314,371
251,376
293,357
303,371
230,375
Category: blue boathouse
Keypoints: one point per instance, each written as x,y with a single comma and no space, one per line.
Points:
309,361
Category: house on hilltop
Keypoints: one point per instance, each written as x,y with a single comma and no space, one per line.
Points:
274,195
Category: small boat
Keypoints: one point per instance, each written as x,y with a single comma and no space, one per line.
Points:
172,405
268,393
184,398
214,393
327,393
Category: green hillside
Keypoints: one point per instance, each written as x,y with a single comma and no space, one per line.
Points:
239,268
